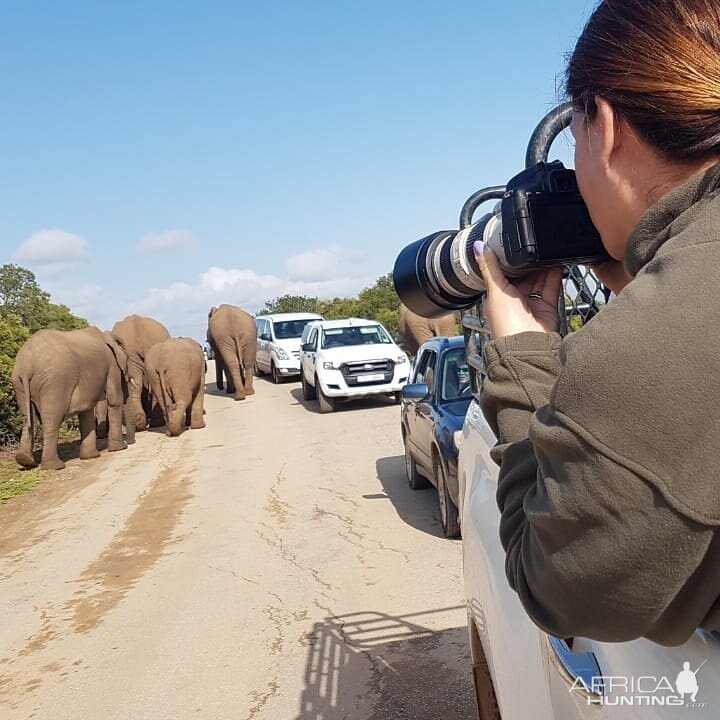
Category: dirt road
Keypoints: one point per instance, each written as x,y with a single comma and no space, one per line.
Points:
274,566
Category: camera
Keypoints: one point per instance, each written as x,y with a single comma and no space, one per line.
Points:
540,220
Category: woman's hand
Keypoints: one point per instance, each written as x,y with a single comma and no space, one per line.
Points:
612,274
528,304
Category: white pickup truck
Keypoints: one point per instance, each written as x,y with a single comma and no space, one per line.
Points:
520,672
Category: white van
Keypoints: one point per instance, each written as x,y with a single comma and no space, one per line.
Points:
278,343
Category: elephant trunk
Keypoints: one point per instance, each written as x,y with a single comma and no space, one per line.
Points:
176,419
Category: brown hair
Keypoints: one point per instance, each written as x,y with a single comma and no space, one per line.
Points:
658,63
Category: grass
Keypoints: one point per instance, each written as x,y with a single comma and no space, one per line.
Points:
14,481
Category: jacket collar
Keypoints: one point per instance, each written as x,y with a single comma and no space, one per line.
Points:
660,222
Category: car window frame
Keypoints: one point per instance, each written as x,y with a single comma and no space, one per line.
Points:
423,366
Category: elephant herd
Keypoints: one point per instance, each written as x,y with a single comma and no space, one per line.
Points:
130,377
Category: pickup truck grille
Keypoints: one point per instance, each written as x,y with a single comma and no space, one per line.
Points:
296,354
354,371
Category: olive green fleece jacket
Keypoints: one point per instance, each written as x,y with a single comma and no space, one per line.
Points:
609,443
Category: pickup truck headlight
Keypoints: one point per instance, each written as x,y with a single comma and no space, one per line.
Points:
282,355
400,359
330,366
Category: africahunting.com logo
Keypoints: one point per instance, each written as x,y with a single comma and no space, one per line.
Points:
647,690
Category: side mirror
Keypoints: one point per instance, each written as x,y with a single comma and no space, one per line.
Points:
265,336
415,392
307,347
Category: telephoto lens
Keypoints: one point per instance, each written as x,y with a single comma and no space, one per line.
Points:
439,274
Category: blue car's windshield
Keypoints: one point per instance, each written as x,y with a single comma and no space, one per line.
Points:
456,376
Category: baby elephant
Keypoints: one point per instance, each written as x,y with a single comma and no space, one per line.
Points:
176,372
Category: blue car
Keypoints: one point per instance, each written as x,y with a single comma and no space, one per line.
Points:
434,403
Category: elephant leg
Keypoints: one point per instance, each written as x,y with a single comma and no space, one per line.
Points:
88,438
197,409
249,357
161,401
101,420
115,438
154,408
51,426
128,417
24,455
238,384
218,369
136,385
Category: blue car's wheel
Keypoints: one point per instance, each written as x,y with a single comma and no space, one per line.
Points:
415,480
448,511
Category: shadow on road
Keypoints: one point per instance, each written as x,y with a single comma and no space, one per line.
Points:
211,389
418,508
371,664
343,406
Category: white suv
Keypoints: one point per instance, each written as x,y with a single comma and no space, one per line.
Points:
278,343
344,359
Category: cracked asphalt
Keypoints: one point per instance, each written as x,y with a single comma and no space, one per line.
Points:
273,566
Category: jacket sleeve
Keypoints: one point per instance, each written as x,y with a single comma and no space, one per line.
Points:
592,548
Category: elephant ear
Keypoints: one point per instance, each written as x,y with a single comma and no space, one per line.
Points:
117,346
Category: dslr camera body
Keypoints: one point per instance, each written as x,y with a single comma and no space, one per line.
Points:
541,221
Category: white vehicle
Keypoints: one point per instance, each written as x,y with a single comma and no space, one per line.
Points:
520,672
278,343
344,359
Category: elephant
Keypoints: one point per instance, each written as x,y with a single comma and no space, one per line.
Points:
232,335
416,329
175,370
139,334
58,373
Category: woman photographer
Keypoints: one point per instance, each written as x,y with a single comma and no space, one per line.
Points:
609,440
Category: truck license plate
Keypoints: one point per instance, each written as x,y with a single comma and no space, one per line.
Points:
371,378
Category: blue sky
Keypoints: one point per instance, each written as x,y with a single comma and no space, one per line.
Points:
163,157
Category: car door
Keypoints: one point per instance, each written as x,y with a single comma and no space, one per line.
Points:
260,357
421,412
425,417
557,673
309,357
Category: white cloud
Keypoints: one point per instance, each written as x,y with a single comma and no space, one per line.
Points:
322,264
52,250
167,241
183,306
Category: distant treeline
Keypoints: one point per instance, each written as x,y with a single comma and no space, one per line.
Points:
379,302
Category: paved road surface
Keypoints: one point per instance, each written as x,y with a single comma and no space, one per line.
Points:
274,566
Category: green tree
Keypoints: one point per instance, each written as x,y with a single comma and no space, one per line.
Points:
338,308
23,298
290,304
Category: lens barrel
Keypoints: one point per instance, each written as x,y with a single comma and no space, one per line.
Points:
438,274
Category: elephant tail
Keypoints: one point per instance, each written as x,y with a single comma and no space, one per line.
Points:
239,350
28,410
166,395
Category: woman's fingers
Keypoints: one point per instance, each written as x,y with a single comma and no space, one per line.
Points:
489,267
553,284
